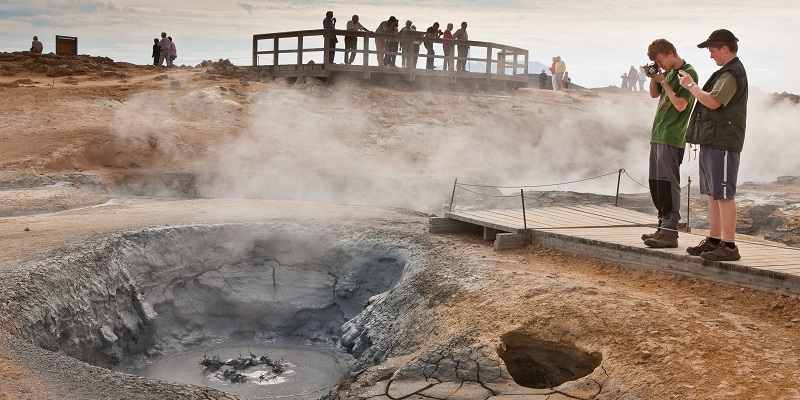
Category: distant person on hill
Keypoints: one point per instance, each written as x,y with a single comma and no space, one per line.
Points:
173,52
633,77
567,80
36,46
543,80
351,42
642,78
463,49
156,51
718,126
448,49
667,140
163,58
624,77
558,77
432,32
329,23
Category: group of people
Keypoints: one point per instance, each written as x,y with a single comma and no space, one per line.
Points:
712,117
406,42
164,51
632,77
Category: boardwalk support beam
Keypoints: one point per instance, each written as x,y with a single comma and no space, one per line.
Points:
449,225
512,240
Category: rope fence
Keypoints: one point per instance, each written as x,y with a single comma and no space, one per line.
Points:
469,188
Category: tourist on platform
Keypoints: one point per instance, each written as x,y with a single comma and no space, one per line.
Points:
351,42
448,49
718,126
432,32
329,23
624,84
567,80
392,45
380,42
407,44
667,139
463,49
642,78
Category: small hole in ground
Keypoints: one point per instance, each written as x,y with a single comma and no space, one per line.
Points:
540,364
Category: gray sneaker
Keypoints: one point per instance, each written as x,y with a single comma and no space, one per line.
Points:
704,246
660,241
722,253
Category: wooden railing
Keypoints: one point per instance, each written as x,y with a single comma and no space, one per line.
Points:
301,47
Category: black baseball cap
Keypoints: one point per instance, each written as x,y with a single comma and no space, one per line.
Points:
719,35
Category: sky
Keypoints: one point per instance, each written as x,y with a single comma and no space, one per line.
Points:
599,40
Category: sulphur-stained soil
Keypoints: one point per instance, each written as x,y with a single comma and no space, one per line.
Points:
90,148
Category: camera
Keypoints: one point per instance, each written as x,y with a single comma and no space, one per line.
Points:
440,32
651,68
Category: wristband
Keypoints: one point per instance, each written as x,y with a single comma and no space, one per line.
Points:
690,85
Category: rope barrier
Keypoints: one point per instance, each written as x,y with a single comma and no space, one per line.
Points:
536,186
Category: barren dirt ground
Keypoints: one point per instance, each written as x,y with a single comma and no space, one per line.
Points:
661,336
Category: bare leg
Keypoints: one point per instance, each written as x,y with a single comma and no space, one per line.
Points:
714,223
727,215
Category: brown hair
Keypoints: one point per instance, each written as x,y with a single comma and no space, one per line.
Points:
732,46
660,46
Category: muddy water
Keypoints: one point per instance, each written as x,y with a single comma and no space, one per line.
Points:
310,371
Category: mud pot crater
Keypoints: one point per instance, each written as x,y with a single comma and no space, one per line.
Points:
155,302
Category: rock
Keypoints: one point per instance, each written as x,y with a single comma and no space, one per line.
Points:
174,85
421,106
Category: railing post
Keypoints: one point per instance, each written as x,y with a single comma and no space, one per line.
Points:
275,44
366,50
524,217
688,204
327,47
299,51
489,59
453,195
255,51
619,176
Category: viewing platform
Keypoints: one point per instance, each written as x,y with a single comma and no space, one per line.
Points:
307,54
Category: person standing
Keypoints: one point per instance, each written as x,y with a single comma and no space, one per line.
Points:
633,77
567,80
463,49
156,51
329,23
667,139
408,43
173,52
432,32
392,45
543,80
380,41
163,58
351,42
448,49
558,77
718,126
36,46
624,84
642,78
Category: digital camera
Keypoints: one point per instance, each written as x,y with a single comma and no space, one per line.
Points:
651,68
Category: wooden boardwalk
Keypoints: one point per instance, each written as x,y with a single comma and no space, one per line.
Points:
614,234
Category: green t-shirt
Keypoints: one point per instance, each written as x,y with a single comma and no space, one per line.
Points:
669,125
724,88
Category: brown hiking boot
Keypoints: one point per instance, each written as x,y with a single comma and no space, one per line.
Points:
650,235
704,246
722,253
660,241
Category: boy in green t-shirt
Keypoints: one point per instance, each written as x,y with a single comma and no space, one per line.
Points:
667,139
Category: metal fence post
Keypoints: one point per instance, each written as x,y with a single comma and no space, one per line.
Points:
524,217
453,195
619,176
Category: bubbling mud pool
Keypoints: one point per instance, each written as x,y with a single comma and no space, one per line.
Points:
306,371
